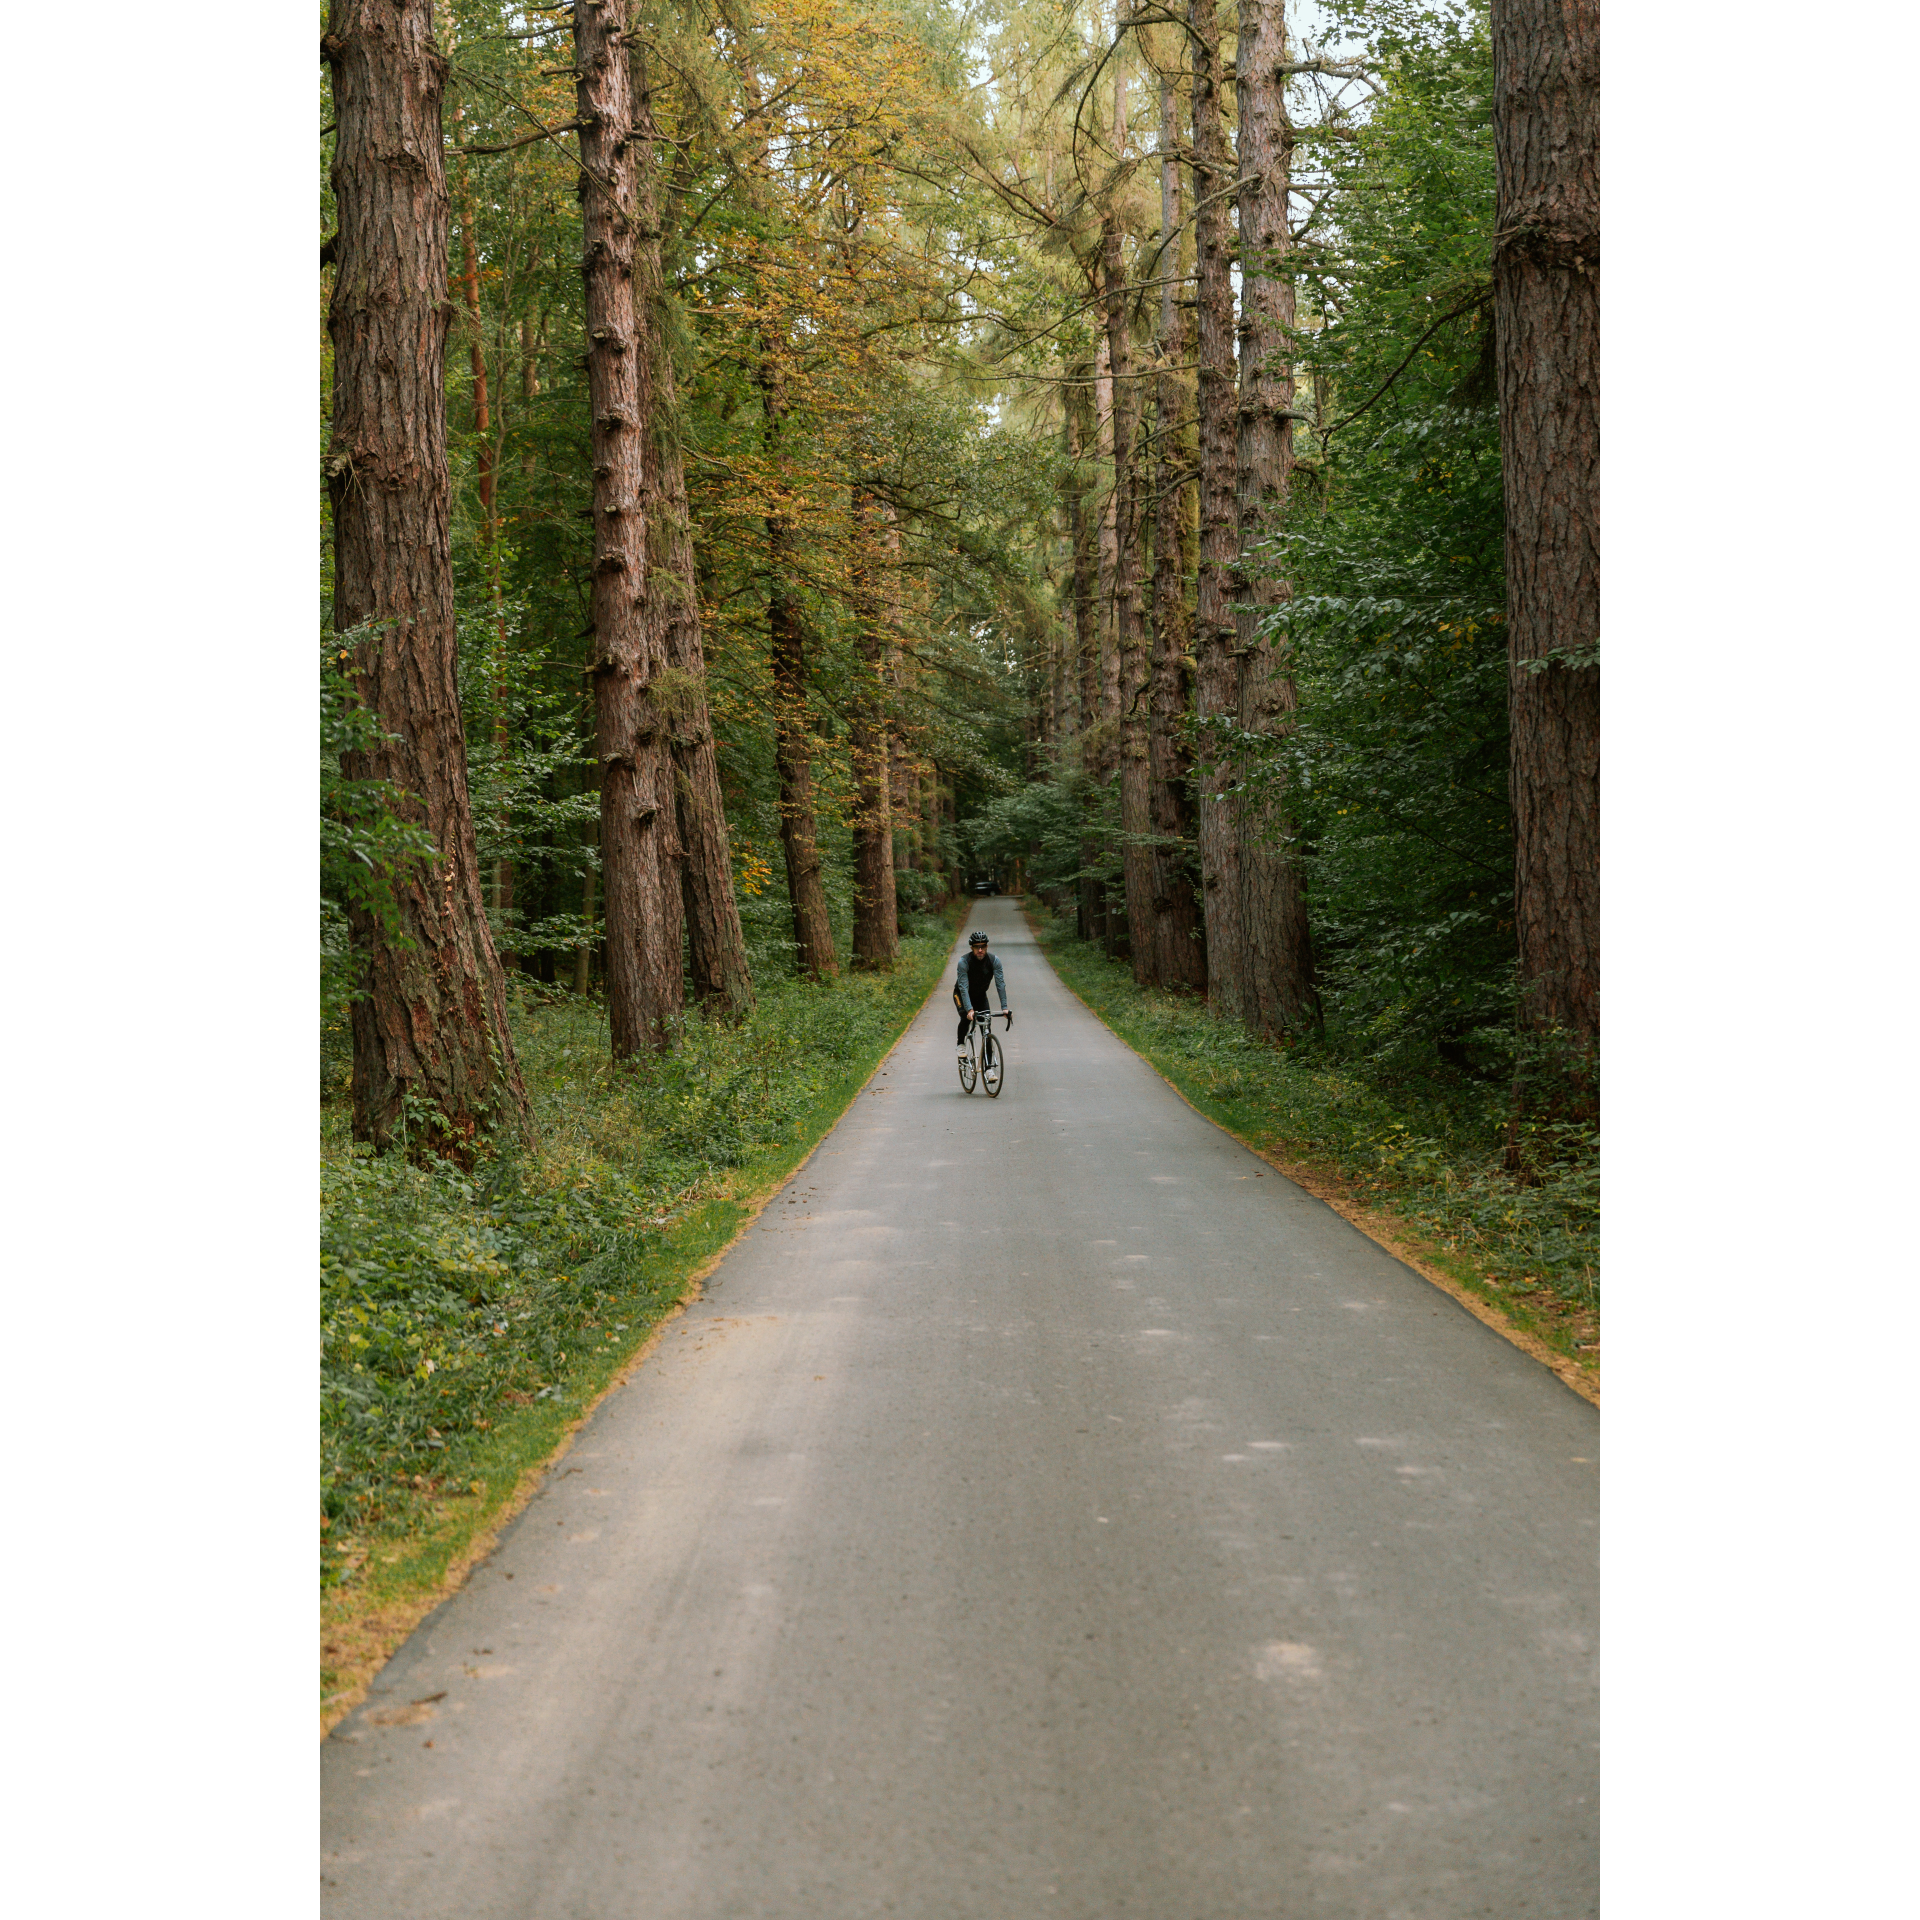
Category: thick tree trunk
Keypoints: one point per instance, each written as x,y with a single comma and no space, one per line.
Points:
716,945
1279,995
1216,670
876,911
793,760
638,838
1546,280
1179,953
930,859
1103,758
793,737
1106,740
583,956
486,454
430,1024
1136,855
876,924
1061,690
1086,627
903,776
1089,906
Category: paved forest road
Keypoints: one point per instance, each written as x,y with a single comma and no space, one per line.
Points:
1048,1510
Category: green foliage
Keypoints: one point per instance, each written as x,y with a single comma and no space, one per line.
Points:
450,1298
530,776
1409,225
1066,829
367,843
1396,774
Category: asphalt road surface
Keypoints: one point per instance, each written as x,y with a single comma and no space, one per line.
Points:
1047,1511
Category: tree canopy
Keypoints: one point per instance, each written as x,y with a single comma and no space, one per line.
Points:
944,402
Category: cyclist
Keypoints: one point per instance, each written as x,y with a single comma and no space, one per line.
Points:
978,969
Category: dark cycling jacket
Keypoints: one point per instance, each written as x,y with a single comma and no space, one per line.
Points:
964,987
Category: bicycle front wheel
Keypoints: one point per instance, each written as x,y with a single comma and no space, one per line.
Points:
993,1065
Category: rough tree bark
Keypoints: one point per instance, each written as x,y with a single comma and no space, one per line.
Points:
1279,996
1078,409
1179,954
638,838
1129,639
903,774
486,457
1216,685
793,737
876,919
1106,743
1089,906
876,911
1101,757
1546,282
583,956
430,1024
1061,663
930,828
716,945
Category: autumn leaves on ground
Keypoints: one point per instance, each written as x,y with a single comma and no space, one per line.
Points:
787,467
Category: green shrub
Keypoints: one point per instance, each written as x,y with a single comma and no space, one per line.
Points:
450,1298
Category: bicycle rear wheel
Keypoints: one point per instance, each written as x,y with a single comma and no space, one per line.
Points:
993,1065
969,1066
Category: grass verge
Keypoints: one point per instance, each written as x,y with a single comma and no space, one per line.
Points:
1416,1168
471,1321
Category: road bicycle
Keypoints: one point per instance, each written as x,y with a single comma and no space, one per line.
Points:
985,1061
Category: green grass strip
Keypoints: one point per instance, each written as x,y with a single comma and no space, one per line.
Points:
1427,1154
470,1320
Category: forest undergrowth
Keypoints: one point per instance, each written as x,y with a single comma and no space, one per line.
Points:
1427,1151
468,1317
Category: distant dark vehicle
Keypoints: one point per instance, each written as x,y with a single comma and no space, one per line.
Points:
985,886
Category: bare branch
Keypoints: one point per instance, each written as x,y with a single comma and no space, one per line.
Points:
526,140
1339,70
1480,298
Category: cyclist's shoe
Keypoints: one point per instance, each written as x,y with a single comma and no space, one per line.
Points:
961,1053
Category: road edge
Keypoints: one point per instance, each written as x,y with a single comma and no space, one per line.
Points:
386,1629
1386,1230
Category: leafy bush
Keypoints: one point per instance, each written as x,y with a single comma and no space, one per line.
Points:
448,1298
366,840
1396,772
